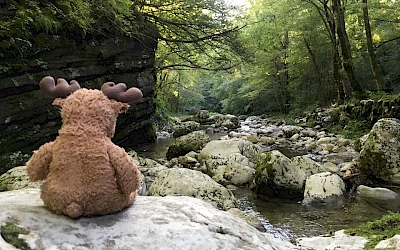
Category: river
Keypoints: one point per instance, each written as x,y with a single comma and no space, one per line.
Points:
286,219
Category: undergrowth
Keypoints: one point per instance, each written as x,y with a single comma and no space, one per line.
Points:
378,230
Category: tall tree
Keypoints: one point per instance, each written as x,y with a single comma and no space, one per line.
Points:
326,14
376,69
339,14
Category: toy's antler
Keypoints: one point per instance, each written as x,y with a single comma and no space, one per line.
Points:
118,93
63,89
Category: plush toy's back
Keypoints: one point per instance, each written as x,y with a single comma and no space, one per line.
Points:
85,173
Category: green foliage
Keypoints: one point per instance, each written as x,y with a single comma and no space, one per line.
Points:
76,17
353,129
10,233
378,230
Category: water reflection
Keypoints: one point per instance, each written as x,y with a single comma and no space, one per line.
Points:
159,148
288,219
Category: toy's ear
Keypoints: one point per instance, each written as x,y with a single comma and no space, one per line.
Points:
119,107
58,102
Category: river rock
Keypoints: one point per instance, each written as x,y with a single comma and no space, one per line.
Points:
149,170
376,193
17,178
308,132
380,155
187,182
249,218
250,150
190,142
185,128
221,149
201,116
380,197
340,241
227,121
308,165
324,189
331,167
276,175
151,223
392,243
238,171
324,140
290,130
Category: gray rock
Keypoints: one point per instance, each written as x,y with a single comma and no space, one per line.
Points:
228,121
343,142
221,148
239,170
339,241
190,142
201,116
185,128
331,167
308,132
276,175
309,166
250,150
249,218
324,140
324,189
376,193
151,223
290,130
187,182
392,243
383,198
380,155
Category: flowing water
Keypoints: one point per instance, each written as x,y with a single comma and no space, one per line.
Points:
286,219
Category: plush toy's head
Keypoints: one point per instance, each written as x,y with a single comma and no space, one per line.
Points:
89,111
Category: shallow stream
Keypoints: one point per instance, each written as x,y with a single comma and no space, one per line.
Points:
286,219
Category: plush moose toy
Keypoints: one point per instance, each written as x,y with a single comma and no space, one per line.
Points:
85,173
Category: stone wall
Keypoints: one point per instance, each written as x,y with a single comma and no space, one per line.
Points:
27,118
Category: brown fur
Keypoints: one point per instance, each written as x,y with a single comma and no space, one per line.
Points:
86,174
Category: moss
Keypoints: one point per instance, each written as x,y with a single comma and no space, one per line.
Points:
222,230
10,233
376,231
262,165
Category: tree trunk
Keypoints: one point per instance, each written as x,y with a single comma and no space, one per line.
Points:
285,60
318,71
338,12
337,63
376,70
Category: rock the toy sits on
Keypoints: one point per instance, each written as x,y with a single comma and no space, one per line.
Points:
85,173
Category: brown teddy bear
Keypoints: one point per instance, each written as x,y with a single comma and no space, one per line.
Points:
85,173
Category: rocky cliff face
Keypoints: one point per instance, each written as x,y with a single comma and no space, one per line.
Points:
27,118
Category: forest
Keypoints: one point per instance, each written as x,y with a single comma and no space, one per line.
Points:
267,57
288,57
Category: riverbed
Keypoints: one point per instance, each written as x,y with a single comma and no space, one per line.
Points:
286,219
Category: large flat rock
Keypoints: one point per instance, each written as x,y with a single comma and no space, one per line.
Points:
151,223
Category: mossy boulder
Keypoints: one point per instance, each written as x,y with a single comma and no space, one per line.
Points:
17,178
187,143
187,182
276,175
202,116
185,128
380,156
